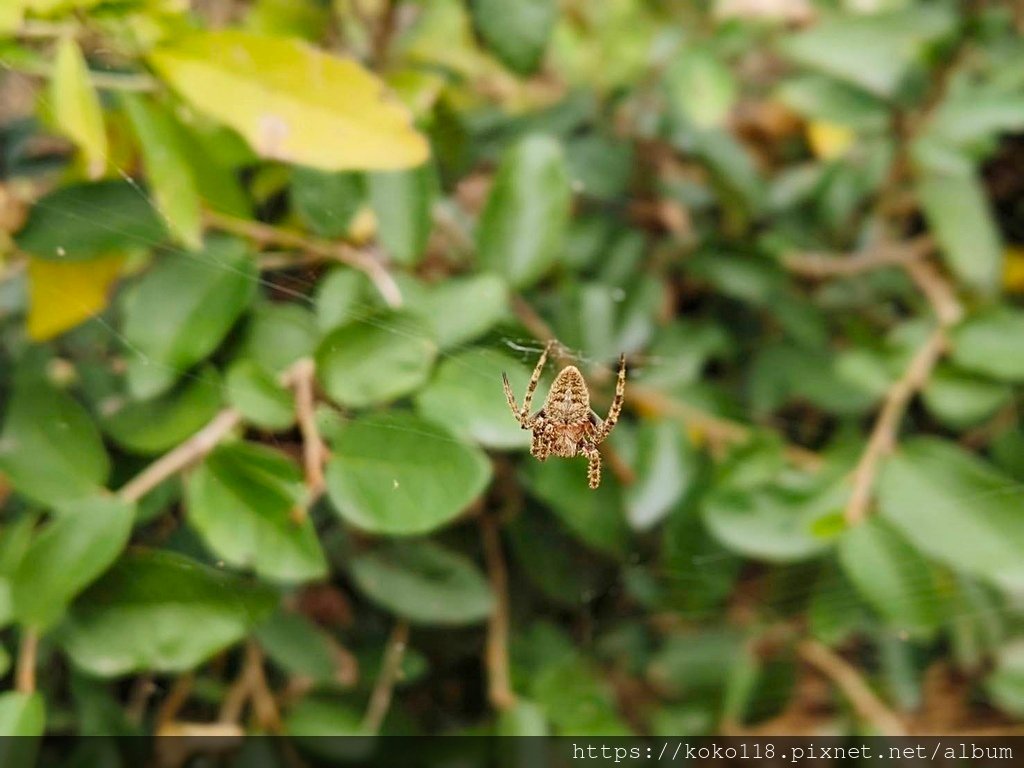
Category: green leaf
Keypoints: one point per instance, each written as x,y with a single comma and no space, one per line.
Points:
991,343
701,87
873,51
770,523
892,576
50,449
182,309
525,718
523,225
818,97
955,508
424,583
76,106
576,700
161,612
665,466
280,334
259,397
594,517
291,101
403,202
1005,683
68,555
301,648
243,500
158,424
21,714
517,33
383,478
957,211
465,397
326,201
341,297
482,301
84,221
376,360
959,399
167,168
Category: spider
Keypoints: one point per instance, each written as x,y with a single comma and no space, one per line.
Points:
566,426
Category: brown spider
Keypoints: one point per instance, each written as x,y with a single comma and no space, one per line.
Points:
566,426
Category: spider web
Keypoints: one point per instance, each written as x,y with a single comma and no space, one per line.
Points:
703,567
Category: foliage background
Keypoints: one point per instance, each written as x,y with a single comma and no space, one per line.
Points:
257,469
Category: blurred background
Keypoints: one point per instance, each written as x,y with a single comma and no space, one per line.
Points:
263,264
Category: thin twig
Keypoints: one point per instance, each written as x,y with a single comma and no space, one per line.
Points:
314,452
346,254
28,651
180,691
937,290
846,677
186,454
380,698
499,680
819,265
883,434
251,686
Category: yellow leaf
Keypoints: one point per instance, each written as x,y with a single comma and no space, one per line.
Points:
293,102
76,107
63,294
829,140
1013,269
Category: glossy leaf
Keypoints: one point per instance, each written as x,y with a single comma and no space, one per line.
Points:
259,397
49,448
482,301
403,202
366,362
892,576
174,186
381,477
247,502
955,508
292,102
424,583
991,343
64,294
181,310
160,423
84,221
160,612
67,555
463,396
523,225
76,106
516,33
326,201
21,714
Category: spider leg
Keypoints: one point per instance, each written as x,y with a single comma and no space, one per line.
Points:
532,386
540,448
512,401
593,464
608,424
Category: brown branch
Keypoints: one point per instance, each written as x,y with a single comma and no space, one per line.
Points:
28,652
846,677
268,234
314,452
937,290
180,691
818,265
499,681
251,686
380,698
186,454
883,434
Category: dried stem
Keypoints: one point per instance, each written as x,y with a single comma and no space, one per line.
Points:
380,698
883,434
251,686
180,691
846,677
186,454
818,265
346,254
28,652
499,682
314,452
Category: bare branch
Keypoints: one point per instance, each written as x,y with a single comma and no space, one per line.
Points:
819,265
28,651
380,698
499,680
